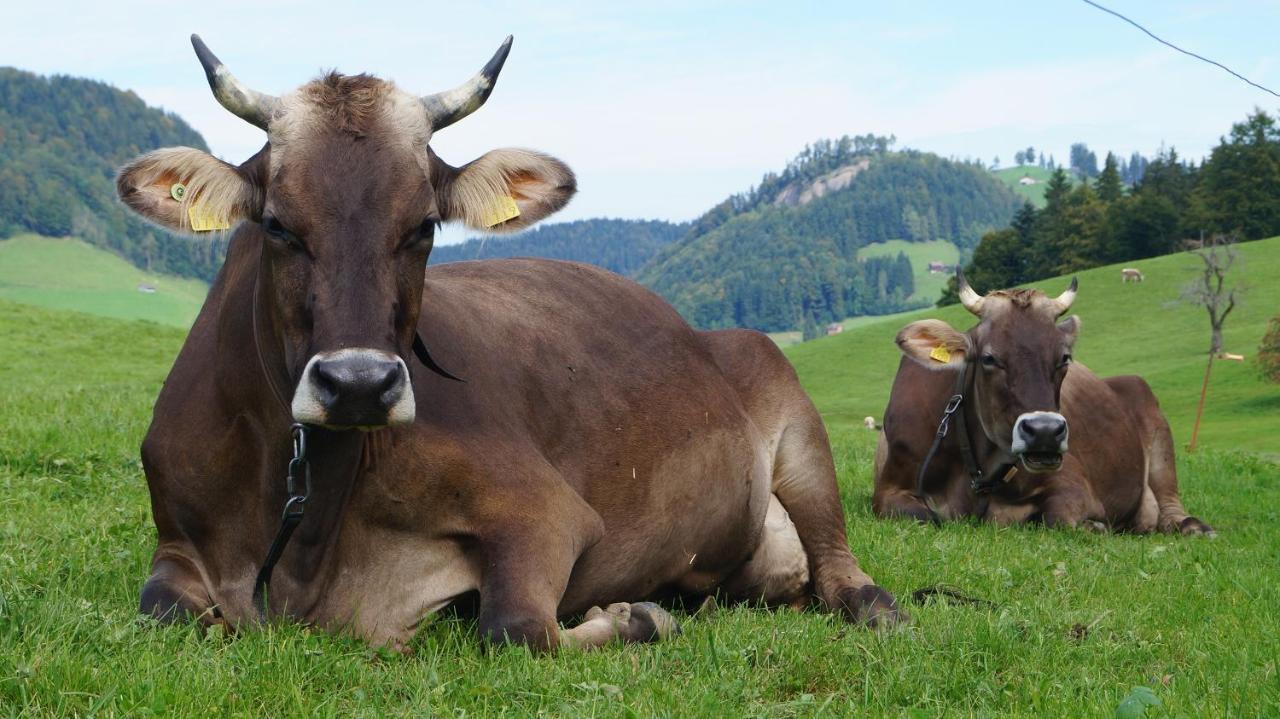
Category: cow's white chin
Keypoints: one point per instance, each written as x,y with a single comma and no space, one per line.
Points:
1041,462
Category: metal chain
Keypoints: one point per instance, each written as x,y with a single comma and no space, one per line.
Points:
296,505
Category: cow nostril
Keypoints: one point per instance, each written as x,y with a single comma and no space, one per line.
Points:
325,377
1026,430
390,378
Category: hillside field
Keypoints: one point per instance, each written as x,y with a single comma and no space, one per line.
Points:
1135,328
928,286
70,274
1077,620
1033,193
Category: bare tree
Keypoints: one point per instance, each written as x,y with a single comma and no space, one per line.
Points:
1210,291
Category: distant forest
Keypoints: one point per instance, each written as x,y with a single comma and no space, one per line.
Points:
749,262
62,139
1235,192
622,246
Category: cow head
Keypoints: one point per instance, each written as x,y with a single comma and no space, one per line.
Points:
1021,352
345,198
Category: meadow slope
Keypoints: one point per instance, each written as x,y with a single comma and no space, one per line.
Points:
70,274
1031,193
1135,328
1077,621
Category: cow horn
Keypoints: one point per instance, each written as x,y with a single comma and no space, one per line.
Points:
244,102
1064,300
445,108
971,300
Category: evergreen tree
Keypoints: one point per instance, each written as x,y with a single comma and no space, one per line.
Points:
62,139
1109,187
1241,180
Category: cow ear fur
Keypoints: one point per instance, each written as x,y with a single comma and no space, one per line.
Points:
186,190
505,190
1071,328
934,344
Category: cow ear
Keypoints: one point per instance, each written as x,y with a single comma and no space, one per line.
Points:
505,190
1070,327
934,344
186,190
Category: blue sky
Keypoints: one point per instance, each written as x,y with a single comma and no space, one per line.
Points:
664,108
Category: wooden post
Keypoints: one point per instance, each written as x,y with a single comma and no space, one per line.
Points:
1204,390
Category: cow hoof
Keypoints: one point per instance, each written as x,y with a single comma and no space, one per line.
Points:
871,605
165,603
1191,525
1092,525
650,623
640,622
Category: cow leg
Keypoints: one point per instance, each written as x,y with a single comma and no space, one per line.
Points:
174,591
1069,503
1162,479
804,481
778,570
520,593
894,502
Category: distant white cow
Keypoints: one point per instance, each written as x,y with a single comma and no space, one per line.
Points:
870,423
1130,274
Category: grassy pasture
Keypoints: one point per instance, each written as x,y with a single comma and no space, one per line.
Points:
70,274
1078,620
1032,193
1135,328
928,286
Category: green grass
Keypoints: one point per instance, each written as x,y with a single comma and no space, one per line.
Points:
70,274
1079,619
1136,328
928,286
1033,193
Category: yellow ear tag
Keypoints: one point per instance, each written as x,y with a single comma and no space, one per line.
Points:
940,354
503,209
202,221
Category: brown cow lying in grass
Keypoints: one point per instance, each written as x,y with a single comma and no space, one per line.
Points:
1005,455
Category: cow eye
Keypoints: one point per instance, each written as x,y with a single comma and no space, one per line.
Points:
1066,360
273,227
424,233
989,361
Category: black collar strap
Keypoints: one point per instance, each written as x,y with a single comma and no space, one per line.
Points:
977,481
420,351
294,508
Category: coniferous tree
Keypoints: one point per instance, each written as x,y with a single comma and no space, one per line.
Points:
62,139
1109,188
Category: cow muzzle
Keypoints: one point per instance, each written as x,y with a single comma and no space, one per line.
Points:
1040,440
354,388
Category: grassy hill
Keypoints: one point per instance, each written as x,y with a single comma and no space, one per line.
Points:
928,286
69,274
1034,193
1128,329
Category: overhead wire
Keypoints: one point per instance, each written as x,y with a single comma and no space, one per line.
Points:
1162,41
